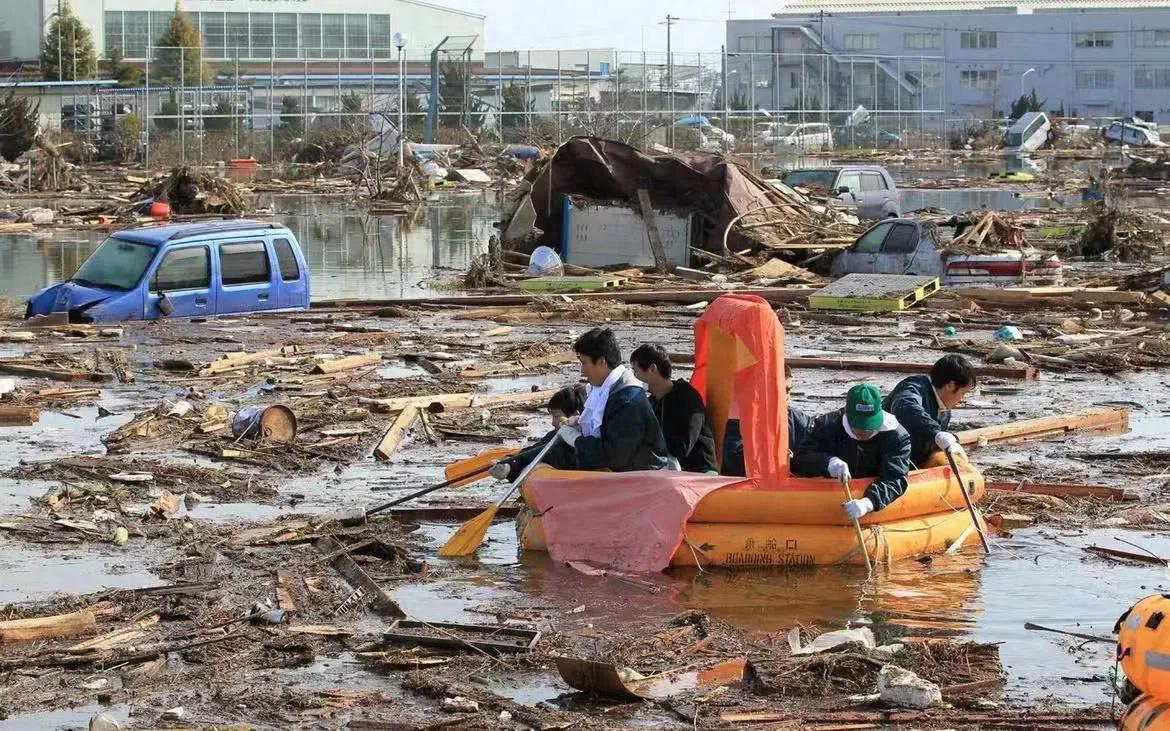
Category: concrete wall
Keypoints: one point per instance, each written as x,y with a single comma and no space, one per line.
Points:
1047,41
425,24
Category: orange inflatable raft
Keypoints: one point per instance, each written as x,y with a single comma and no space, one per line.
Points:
774,518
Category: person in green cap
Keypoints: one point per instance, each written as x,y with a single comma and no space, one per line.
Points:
860,440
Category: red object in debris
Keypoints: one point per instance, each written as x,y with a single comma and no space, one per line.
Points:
243,162
159,209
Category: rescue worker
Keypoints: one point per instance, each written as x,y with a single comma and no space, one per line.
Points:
922,405
678,408
860,440
564,405
798,425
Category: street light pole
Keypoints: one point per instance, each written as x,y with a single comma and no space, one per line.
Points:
670,75
1024,76
400,43
60,61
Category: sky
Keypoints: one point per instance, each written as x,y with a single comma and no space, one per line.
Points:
627,25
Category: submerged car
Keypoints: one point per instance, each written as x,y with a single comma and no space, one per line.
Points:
907,246
225,267
868,189
1132,134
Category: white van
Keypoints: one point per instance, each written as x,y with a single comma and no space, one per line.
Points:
807,137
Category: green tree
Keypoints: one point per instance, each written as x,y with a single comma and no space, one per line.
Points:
516,105
127,74
220,118
457,105
69,42
127,137
179,56
168,114
291,121
1027,103
18,125
352,117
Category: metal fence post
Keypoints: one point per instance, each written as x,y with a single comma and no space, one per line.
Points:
145,115
560,100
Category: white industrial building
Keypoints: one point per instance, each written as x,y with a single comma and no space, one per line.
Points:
252,30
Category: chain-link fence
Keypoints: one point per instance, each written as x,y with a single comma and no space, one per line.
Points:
309,109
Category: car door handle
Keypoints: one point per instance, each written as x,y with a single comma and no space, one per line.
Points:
263,296
200,301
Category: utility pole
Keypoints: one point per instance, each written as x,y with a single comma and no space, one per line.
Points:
60,60
670,74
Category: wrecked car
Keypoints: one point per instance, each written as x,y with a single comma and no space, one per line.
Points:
183,270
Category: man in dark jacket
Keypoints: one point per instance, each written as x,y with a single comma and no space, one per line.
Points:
922,405
679,409
798,425
860,440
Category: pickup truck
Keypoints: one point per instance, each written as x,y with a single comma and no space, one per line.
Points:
227,267
869,189
907,246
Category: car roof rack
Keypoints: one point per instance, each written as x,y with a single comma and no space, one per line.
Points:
220,227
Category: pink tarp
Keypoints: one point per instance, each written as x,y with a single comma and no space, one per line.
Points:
627,520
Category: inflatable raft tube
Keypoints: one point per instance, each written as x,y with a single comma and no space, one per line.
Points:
1146,713
792,546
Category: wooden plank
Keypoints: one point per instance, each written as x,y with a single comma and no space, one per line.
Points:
357,578
886,366
776,295
651,221
1126,555
45,628
452,401
118,637
19,415
393,436
1113,494
234,361
496,332
53,374
518,366
1110,421
348,363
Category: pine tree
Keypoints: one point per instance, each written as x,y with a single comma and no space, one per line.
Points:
127,74
179,56
18,125
291,122
69,42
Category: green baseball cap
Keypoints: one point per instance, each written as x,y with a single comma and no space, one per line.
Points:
863,407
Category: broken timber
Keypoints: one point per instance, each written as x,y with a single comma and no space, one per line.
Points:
53,374
358,578
348,363
393,436
448,401
776,295
1112,494
1106,421
44,628
883,366
19,415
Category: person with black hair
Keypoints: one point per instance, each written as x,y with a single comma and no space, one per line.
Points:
923,404
799,425
564,405
679,409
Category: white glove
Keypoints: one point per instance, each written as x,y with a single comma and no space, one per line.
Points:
500,470
568,435
949,443
838,469
856,509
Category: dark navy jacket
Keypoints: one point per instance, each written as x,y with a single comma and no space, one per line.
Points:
918,411
798,425
885,457
630,439
685,427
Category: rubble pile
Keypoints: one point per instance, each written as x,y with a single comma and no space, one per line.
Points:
192,191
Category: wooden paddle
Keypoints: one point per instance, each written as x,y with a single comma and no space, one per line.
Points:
475,468
857,526
967,499
468,538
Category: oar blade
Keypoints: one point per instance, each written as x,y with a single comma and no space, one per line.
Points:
470,535
478,463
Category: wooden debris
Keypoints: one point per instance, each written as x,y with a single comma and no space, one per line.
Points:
45,628
393,436
348,363
19,415
447,401
1108,421
1112,494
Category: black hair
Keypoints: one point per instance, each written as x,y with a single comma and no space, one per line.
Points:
599,342
952,368
647,355
570,400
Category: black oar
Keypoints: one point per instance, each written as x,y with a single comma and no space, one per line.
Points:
425,490
967,499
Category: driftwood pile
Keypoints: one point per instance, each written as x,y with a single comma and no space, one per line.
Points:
43,168
190,191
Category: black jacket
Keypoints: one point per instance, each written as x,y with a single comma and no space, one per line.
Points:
798,425
685,427
917,408
630,438
885,457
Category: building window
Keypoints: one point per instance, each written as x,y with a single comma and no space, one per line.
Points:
861,41
237,35
160,24
380,36
979,79
1153,38
114,32
357,44
214,35
1151,78
978,39
136,33
1094,79
923,41
333,34
311,35
287,45
755,44
1095,39
261,35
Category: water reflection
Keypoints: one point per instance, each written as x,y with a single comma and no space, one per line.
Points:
351,254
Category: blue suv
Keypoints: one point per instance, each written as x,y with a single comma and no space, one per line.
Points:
228,267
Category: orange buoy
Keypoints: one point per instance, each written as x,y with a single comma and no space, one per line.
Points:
1146,713
1143,645
160,209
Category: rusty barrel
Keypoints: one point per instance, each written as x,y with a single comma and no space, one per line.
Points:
271,423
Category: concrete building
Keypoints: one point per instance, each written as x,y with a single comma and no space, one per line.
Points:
253,31
955,58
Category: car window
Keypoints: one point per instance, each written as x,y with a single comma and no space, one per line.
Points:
871,241
902,240
244,263
188,268
872,181
852,181
287,260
